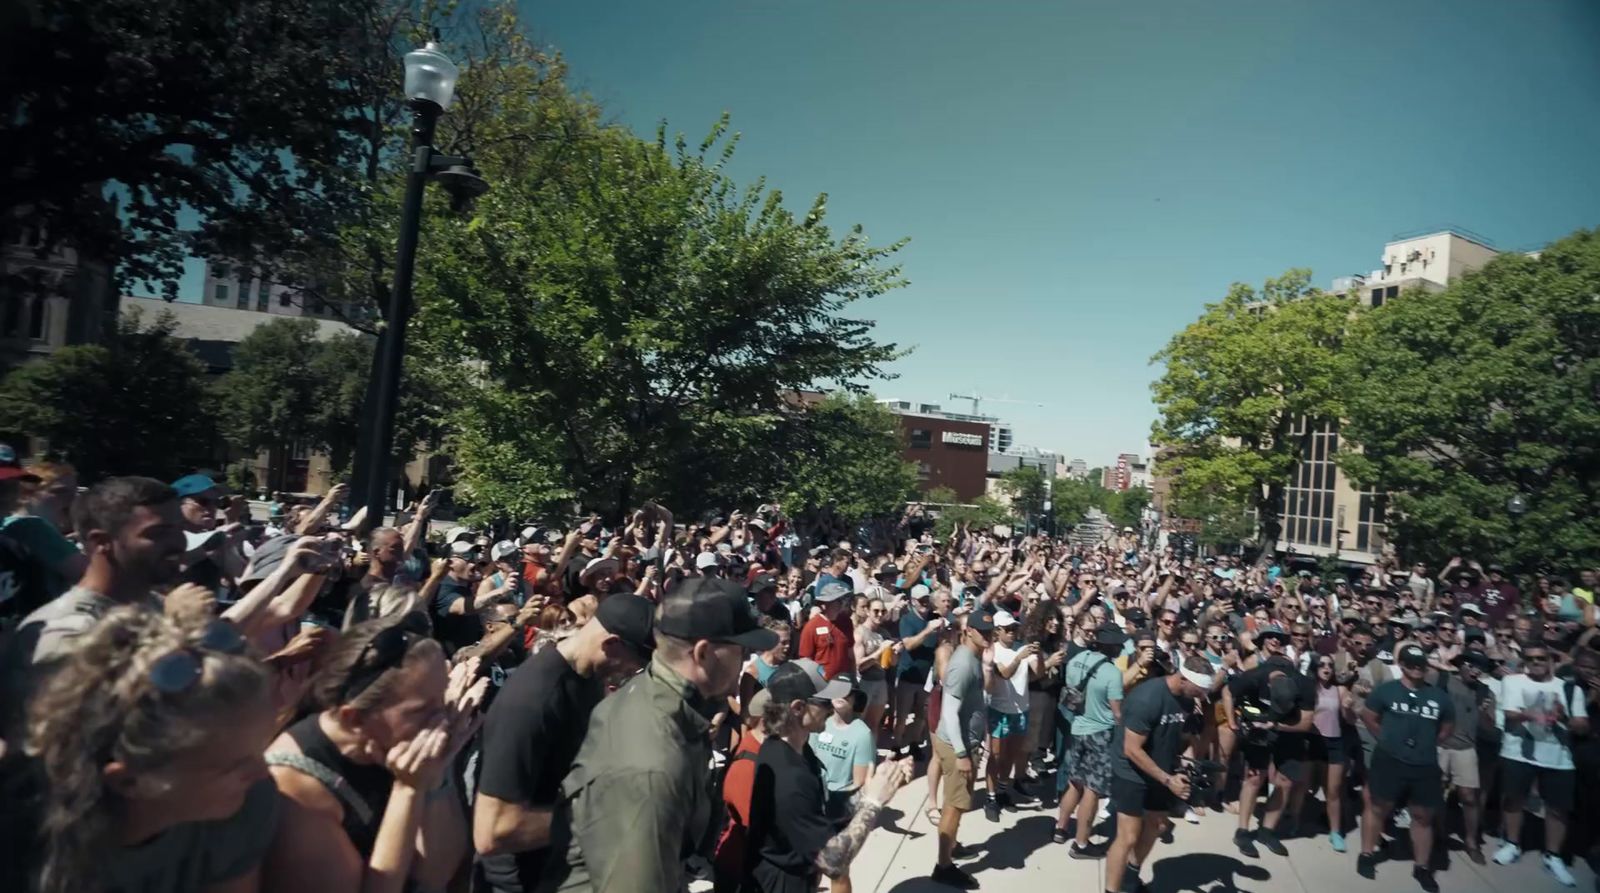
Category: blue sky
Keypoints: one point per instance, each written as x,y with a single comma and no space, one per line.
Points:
1078,177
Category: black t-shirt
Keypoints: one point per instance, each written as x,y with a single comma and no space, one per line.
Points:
1409,720
1152,710
530,738
24,584
1252,687
454,631
788,825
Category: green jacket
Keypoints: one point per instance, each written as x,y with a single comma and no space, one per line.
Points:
638,798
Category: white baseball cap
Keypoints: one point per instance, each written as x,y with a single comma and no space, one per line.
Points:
705,560
1004,619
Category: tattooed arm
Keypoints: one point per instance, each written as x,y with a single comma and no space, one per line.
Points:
835,857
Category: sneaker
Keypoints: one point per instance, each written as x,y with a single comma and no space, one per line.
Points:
1246,845
1131,882
991,810
1507,854
1336,840
1424,878
964,852
1060,835
1402,819
1002,797
1367,866
1554,865
1475,853
1020,797
1092,851
1269,839
1190,816
951,876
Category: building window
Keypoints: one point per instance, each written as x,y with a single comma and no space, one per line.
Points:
283,298
1390,292
1308,503
1370,514
924,471
244,295
39,307
263,292
219,293
921,438
1377,297
222,271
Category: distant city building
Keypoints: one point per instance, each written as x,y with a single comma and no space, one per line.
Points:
1001,435
231,285
51,301
1324,513
1077,469
947,449
1129,471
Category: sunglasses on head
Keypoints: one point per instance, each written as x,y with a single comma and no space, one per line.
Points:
178,671
384,652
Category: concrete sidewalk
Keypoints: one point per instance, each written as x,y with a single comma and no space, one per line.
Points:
1017,857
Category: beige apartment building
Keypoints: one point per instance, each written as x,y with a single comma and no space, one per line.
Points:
1324,513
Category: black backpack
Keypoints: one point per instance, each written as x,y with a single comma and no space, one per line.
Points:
1075,697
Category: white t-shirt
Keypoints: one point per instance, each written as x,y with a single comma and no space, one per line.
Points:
1534,741
1009,695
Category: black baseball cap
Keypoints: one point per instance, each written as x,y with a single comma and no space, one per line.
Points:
630,618
715,609
763,583
982,621
1412,656
1110,634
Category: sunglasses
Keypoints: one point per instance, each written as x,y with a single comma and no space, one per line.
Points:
384,652
1539,658
204,501
1216,638
1189,644
178,671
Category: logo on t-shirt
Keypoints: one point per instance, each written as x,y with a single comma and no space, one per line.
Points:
1426,709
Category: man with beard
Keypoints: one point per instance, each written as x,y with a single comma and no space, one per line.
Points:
132,532
637,799
534,730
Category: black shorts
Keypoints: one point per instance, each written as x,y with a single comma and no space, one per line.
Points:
1396,783
1287,752
1134,798
1556,786
1322,749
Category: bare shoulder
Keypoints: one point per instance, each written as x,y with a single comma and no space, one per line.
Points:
300,788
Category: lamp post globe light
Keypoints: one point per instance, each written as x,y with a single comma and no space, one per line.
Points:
430,83
1516,507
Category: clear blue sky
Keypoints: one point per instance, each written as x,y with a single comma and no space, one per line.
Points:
1078,177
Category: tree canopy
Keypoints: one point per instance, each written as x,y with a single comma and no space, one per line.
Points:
1463,398
135,405
1240,382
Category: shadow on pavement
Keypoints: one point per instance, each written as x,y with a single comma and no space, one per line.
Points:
889,819
1011,847
1211,872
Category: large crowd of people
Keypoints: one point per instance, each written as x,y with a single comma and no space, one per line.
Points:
198,700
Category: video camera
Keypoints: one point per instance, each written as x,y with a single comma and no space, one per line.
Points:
1202,775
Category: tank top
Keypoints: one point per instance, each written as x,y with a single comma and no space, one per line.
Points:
343,777
763,671
1326,719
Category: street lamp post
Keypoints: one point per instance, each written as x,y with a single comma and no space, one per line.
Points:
430,83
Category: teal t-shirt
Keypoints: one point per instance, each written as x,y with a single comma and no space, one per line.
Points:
1103,688
46,543
841,748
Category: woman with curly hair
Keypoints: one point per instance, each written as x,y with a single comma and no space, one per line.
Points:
149,739
1043,627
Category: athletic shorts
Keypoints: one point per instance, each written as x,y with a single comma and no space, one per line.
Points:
1089,761
1005,725
1325,749
1287,753
1556,786
1133,798
957,784
1394,782
1460,767
877,692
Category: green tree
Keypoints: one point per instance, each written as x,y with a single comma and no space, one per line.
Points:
642,317
1490,388
1025,487
1238,385
1125,508
267,400
128,119
135,405
1223,524
1072,499
841,456
341,366
980,515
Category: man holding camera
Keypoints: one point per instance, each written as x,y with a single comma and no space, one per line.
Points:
1409,718
1272,706
1145,782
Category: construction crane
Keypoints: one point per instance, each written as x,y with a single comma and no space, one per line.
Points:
978,399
